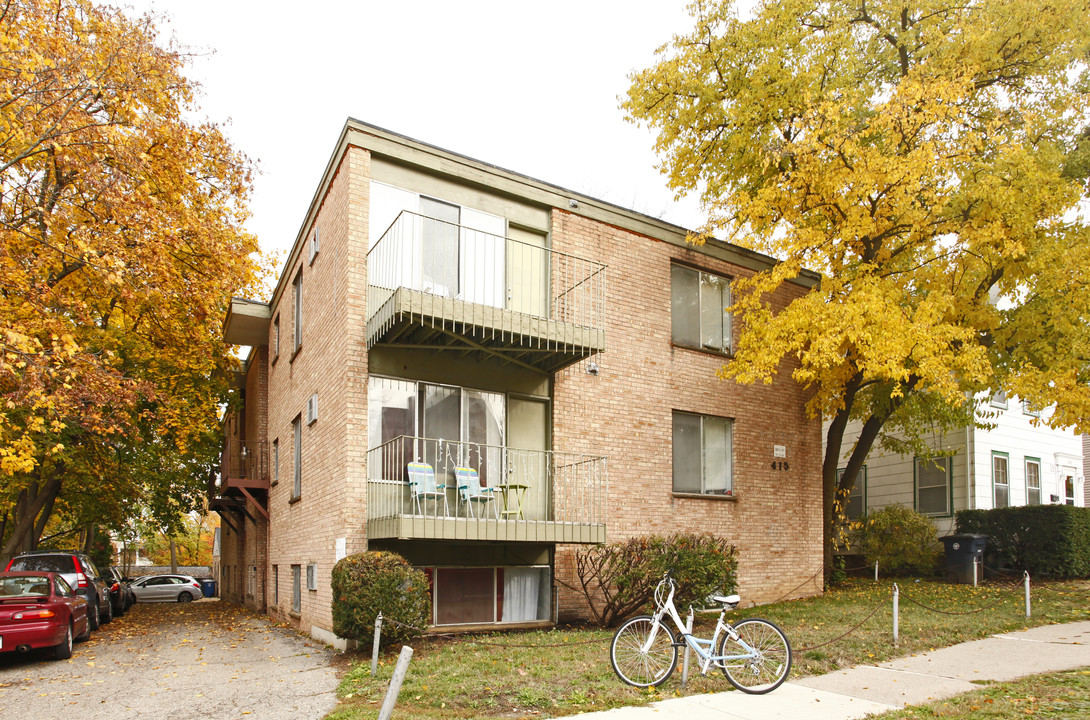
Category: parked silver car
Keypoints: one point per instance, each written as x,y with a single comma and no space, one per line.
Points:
167,588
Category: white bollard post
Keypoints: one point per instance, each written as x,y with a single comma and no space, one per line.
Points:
974,571
1026,580
685,664
896,610
395,683
374,645
875,571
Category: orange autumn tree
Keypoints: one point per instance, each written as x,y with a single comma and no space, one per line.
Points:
929,159
121,243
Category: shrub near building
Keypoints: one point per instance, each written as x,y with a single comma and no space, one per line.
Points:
619,579
899,539
368,583
1048,540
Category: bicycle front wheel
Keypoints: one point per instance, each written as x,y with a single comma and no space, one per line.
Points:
764,670
639,667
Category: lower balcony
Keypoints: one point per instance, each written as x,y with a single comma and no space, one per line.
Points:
421,488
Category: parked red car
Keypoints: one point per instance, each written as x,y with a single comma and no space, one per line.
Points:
40,610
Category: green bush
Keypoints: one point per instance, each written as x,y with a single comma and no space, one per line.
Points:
619,579
368,583
899,539
1045,540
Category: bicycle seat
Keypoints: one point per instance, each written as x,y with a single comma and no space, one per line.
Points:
727,601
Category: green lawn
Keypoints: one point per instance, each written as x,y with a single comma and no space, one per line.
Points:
1063,695
566,670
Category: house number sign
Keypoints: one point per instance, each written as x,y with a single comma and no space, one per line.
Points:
779,451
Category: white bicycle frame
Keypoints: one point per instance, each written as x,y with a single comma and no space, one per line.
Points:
703,648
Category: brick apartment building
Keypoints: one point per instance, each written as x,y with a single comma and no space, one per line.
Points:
438,310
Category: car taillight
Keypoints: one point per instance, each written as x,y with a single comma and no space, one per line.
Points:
115,586
33,615
81,580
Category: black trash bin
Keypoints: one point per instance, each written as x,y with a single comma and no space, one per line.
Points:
961,552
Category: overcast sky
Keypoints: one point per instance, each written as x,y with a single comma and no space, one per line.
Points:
530,87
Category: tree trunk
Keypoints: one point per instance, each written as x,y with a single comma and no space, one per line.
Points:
24,520
173,557
834,442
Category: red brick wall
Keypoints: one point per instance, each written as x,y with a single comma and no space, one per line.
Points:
624,412
332,362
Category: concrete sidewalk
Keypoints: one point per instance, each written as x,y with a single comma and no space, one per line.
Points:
866,689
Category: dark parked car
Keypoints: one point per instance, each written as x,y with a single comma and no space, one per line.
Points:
40,610
79,572
121,594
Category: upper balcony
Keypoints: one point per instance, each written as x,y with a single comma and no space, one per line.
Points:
525,496
244,475
443,286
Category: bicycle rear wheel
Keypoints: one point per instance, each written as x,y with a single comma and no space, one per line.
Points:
767,670
632,664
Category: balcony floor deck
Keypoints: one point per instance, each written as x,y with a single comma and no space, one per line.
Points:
428,527
418,319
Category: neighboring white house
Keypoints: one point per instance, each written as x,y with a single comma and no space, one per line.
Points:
1013,463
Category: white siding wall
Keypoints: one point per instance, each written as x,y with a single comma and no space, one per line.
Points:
890,477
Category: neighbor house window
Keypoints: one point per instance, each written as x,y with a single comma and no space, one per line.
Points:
1069,488
297,459
702,454
698,309
1029,409
298,295
1033,481
856,506
1001,487
933,485
999,400
296,587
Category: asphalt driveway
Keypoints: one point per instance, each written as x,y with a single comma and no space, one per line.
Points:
205,659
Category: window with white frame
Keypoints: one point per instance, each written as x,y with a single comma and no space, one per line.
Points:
933,484
698,309
702,450
1001,485
1029,409
297,295
312,577
297,457
856,505
1033,481
1069,487
296,588
999,400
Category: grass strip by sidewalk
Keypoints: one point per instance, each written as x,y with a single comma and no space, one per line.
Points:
1059,695
566,670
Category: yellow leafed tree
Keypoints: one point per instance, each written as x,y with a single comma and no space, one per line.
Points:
928,158
121,243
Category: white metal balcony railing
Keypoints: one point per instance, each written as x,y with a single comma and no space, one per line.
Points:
502,285
556,487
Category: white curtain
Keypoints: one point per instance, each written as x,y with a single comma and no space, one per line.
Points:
522,595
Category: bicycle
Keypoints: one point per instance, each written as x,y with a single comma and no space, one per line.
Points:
753,654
